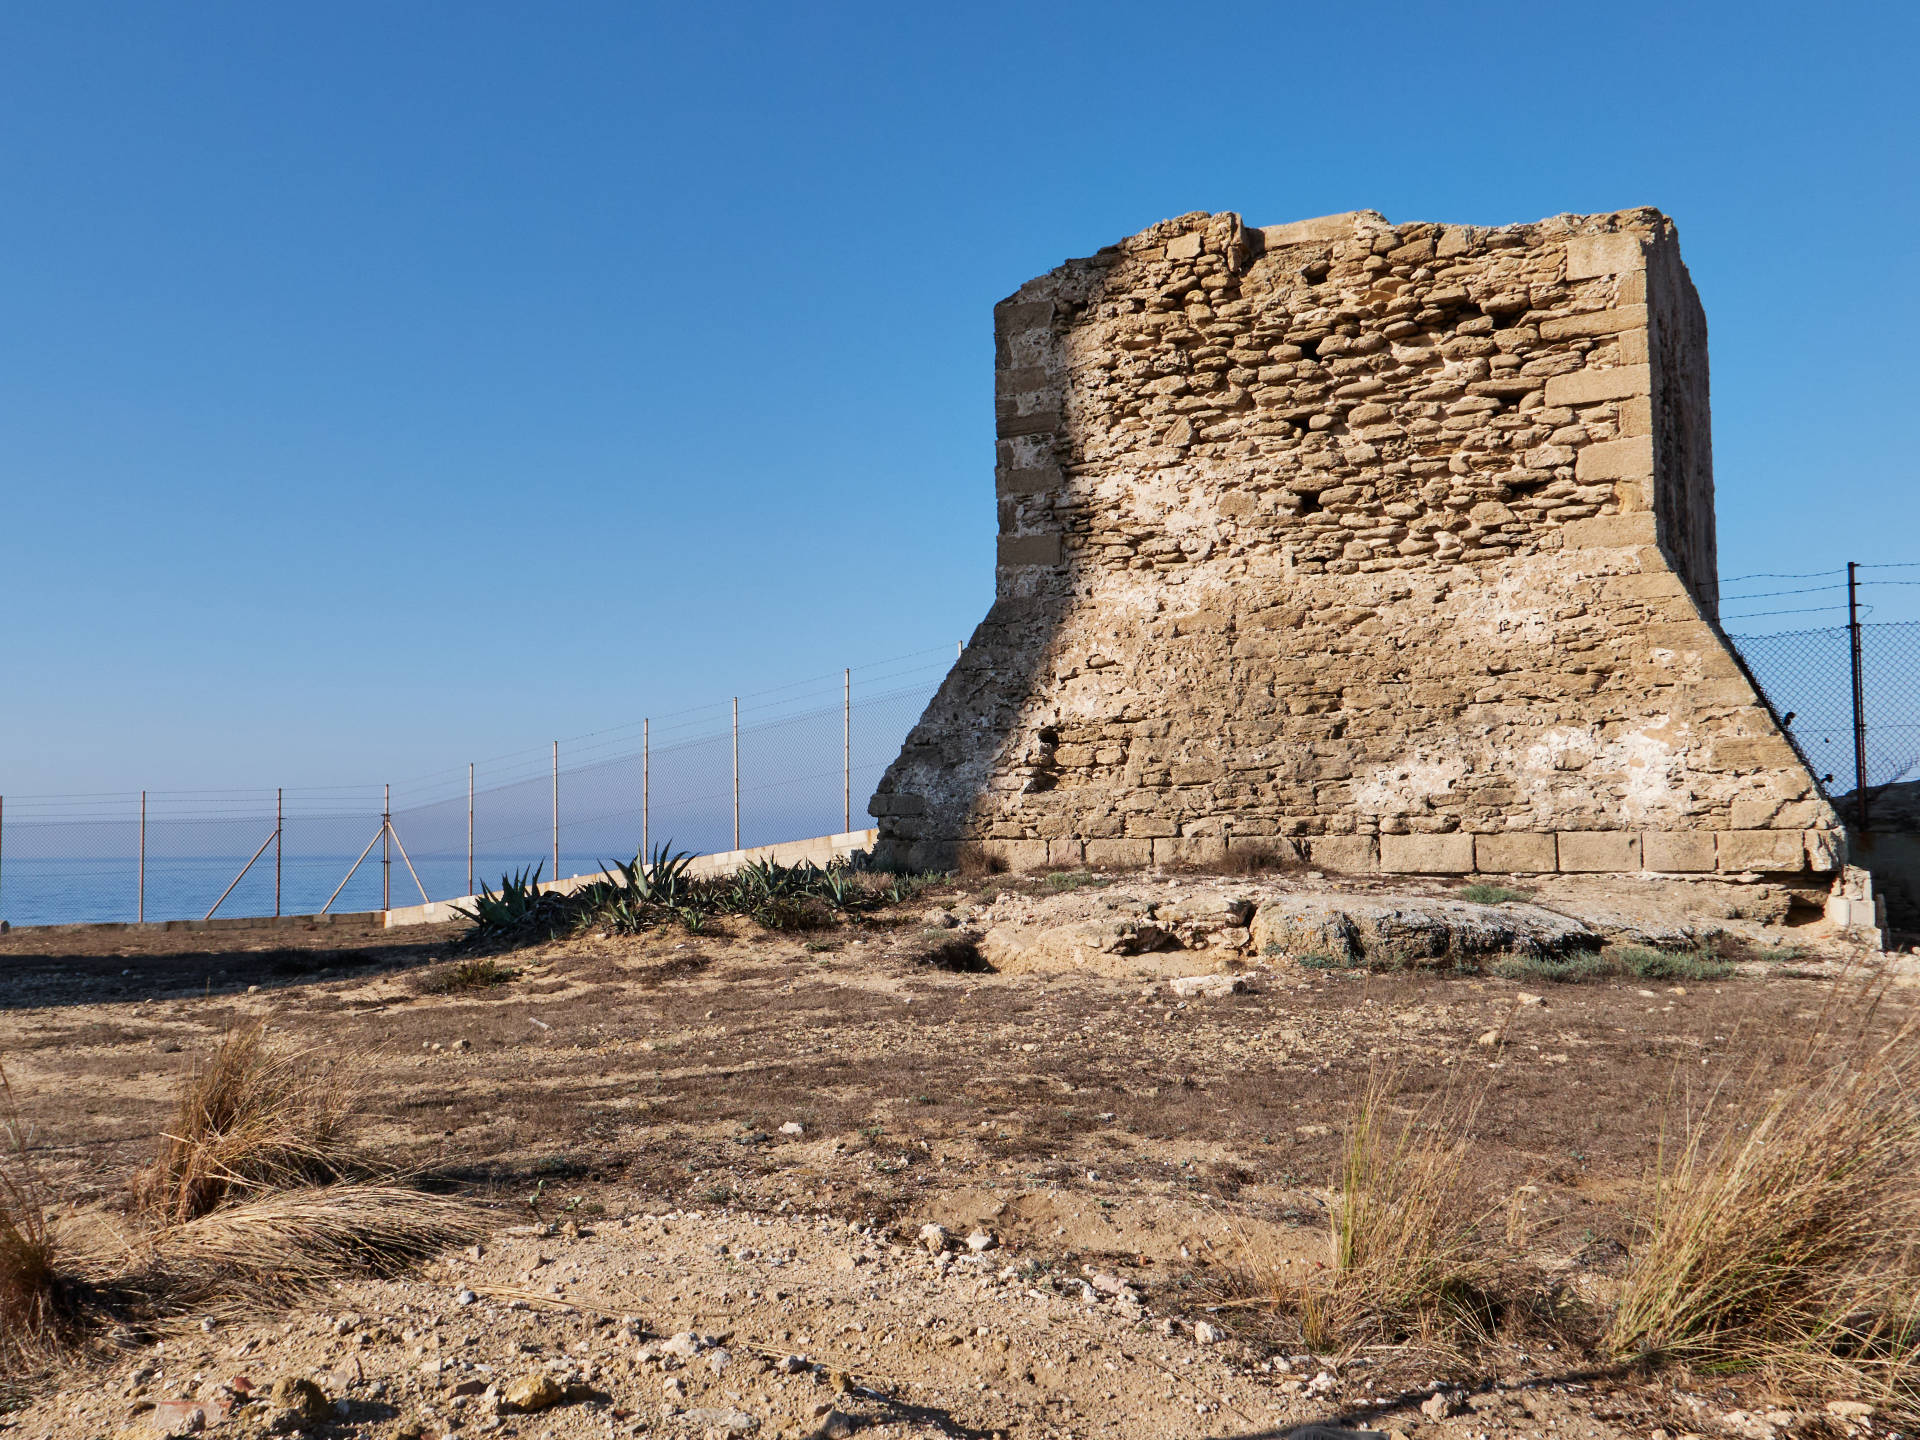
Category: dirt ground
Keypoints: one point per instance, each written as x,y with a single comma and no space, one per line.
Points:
707,1154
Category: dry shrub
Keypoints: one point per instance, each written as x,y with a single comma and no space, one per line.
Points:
39,1290
1260,857
977,862
308,1236
251,1121
1779,1230
465,976
1403,1257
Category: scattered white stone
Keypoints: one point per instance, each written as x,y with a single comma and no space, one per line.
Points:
464,1297
793,1127
1207,1333
934,1237
981,1241
1849,1409
1189,987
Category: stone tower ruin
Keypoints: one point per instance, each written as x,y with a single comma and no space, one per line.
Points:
1392,543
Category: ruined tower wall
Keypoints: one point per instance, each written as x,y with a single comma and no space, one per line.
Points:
1393,540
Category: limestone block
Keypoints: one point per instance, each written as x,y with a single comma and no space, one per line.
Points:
1589,387
1344,854
1021,380
1034,480
1016,855
1189,850
1826,850
1068,850
1599,850
1628,459
1427,854
1014,317
1119,854
1593,255
1677,851
1758,752
1039,422
1763,850
1184,247
1514,853
1321,227
1595,322
1029,550
1610,531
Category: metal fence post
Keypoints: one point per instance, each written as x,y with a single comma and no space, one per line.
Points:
736,772
1859,699
556,810
386,847
846,759
470,889
279,843
646,785
140,904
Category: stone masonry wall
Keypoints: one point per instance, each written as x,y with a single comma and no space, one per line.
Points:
1396,541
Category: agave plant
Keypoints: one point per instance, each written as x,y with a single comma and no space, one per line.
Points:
517,910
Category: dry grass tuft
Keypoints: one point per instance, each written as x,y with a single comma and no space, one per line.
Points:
251,1121
38,1289
295,1238
1779,1234
1403,1255
1253,857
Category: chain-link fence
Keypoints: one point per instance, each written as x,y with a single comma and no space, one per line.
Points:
1808,676
782,765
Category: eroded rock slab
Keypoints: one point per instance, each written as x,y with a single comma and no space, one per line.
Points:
1413,929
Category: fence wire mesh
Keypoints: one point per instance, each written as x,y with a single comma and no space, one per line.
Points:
809,756
1808,675
807,762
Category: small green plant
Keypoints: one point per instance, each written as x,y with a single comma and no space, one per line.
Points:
1645,964
1074,880
1273,950
1493,894
1626,962
1782,955
1329,960
1555,969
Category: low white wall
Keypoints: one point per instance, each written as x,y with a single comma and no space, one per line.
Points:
822,850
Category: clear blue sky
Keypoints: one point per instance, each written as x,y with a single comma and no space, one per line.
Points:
382,386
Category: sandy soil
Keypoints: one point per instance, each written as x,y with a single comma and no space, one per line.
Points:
736,1140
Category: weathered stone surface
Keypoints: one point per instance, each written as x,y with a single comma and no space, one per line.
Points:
530,1393
1427,854
1412,930
1763,850
1677,851
1521,852
1592,850
1382,541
